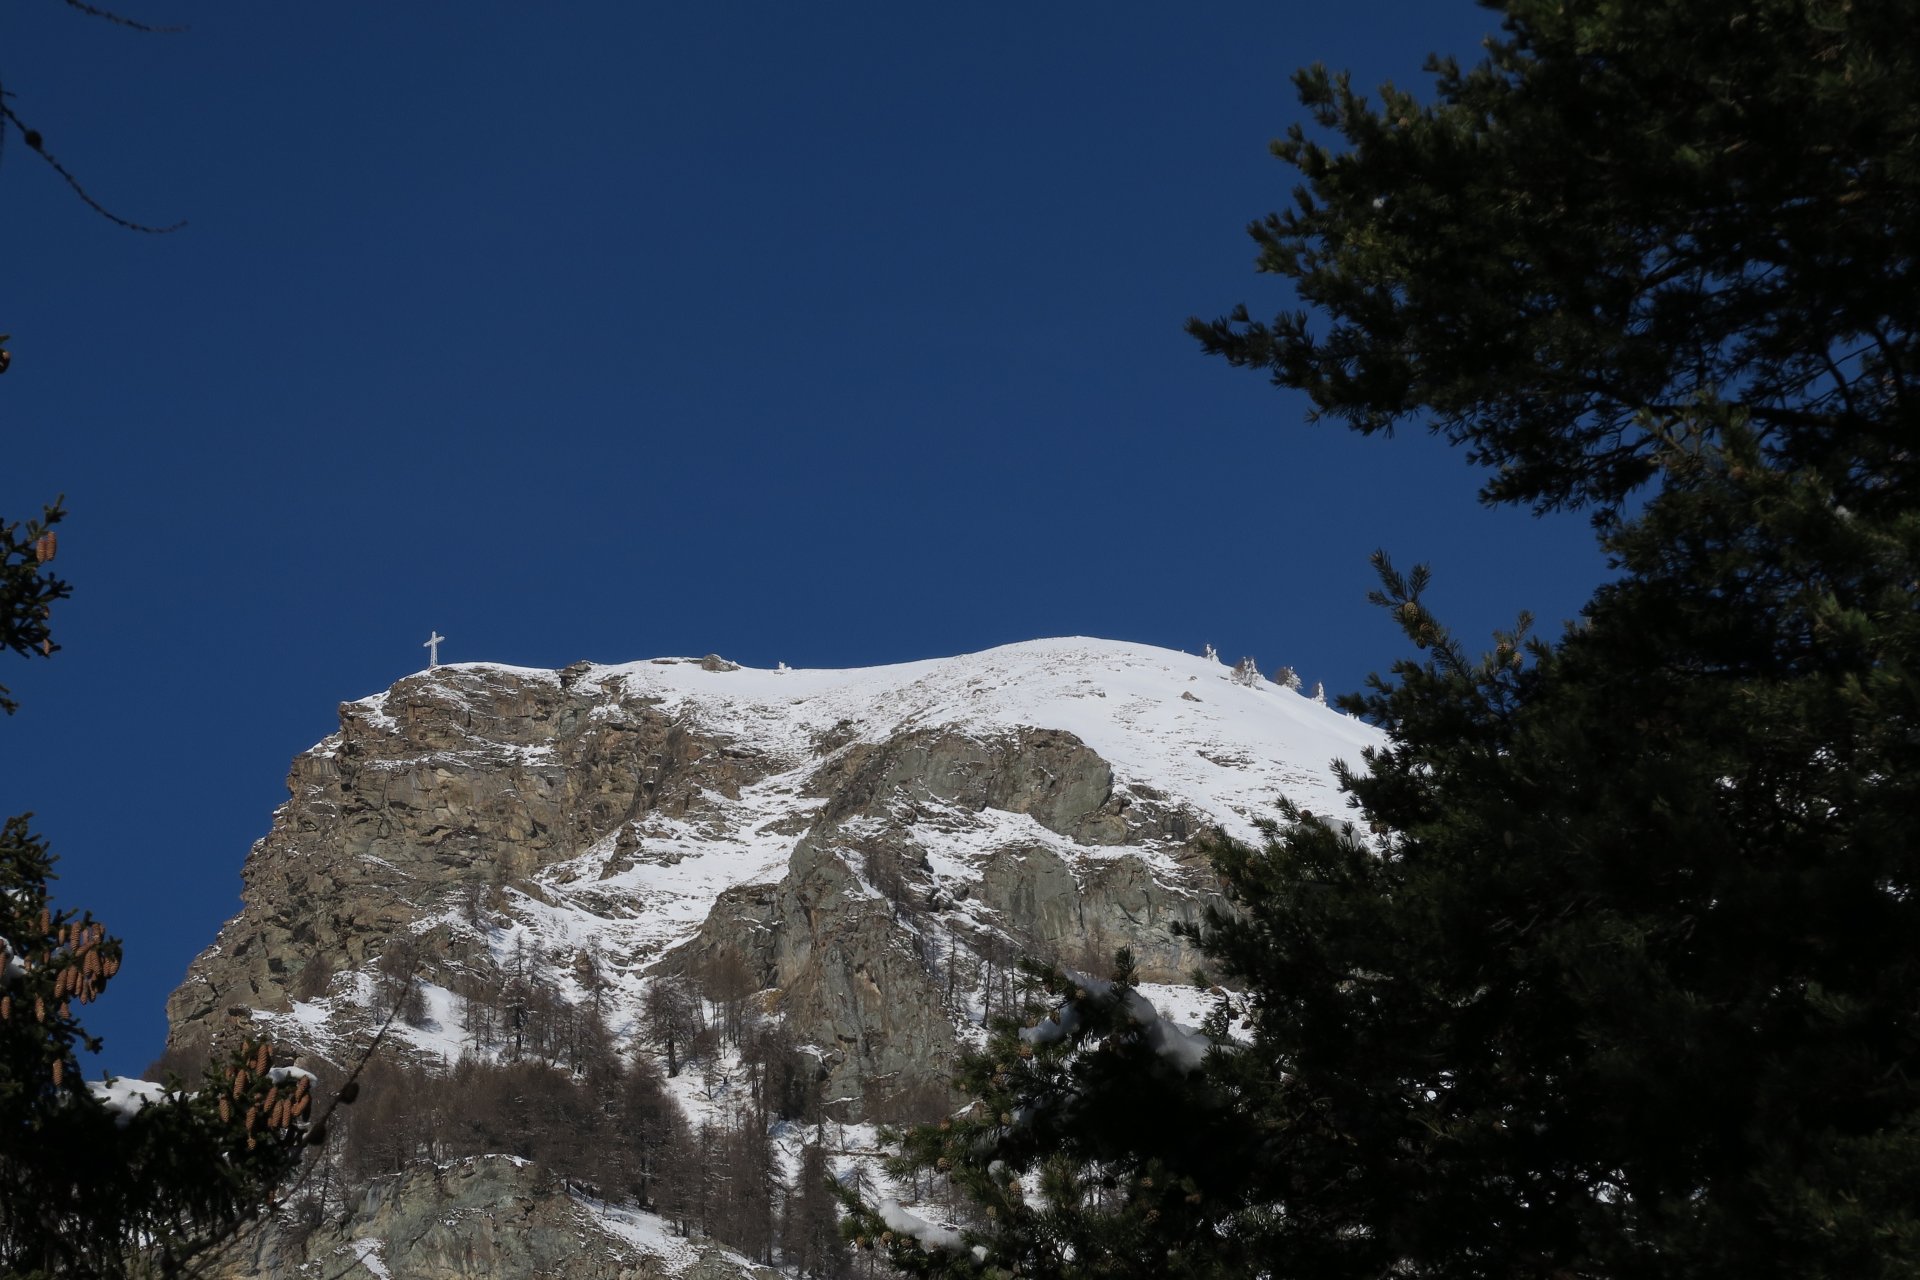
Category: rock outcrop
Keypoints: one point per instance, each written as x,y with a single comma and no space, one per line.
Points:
481,1219
868,851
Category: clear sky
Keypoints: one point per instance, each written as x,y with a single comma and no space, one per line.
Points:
825,334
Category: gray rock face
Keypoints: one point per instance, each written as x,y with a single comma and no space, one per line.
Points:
484,784
873,850
485,1219
1044,772
468,779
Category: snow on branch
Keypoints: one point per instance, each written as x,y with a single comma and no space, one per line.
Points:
912,1224
125,1098
1180,1045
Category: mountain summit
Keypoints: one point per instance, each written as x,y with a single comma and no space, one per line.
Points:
860,854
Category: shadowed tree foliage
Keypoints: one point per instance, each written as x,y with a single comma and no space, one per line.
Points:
99,1182
1614,974
1624,210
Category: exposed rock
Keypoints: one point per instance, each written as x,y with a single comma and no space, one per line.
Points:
1045,772
492,1217
876,848
468,782
465,777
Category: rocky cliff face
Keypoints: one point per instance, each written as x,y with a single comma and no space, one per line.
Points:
479,1220
869,847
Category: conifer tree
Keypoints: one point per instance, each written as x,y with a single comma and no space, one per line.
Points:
811,1241
106,1179
1620,980
1623,212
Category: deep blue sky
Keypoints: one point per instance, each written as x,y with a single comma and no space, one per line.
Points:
831,335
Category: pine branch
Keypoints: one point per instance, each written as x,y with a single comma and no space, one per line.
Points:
196,1260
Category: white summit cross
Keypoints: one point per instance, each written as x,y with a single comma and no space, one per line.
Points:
432,646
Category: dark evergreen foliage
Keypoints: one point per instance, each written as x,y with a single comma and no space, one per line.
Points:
28,589
1614,973
1625,208
1624,986
85,1190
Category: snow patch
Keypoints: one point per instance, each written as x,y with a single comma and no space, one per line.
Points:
125,1098
1181,1045
912,1224
370,1253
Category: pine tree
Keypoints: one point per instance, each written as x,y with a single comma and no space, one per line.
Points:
110,1179
1623,212
811,1240
1624,987
1621,983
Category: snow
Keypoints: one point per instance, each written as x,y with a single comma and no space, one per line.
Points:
16,967
1229,755
1181,1045
649,1234
369,1252
912,1224
1176,728
646,1232
1188,1005
442,1034
124,1097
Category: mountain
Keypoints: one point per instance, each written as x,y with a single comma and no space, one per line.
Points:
857,854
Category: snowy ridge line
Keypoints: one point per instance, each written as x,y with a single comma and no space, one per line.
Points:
1177,722
1190,743
1175,727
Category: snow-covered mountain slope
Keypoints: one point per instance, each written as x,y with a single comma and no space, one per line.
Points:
1170,720
866,849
